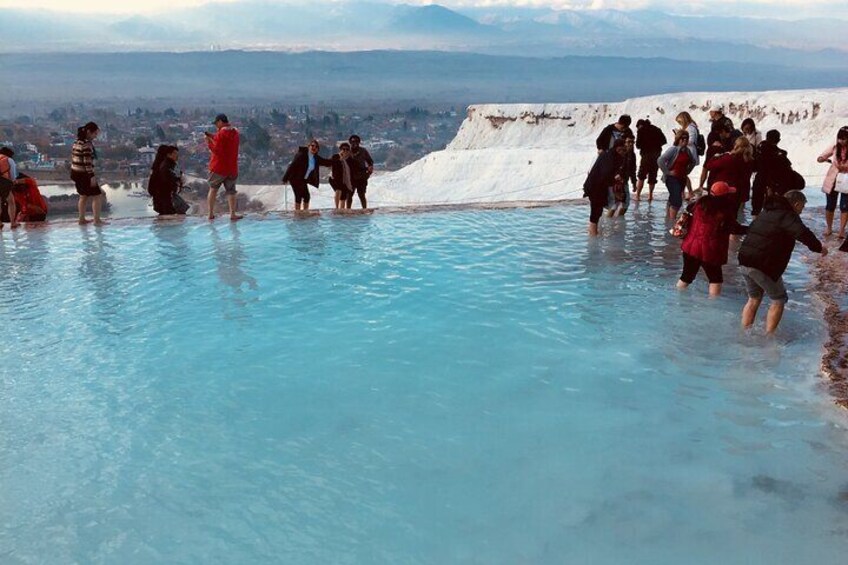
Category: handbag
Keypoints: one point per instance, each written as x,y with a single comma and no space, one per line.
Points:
841,185
681,224
180,205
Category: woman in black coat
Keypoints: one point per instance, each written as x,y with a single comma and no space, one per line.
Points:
165,180
303,171
604,174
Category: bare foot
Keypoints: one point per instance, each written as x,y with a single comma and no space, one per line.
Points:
593,230
211,217
101,223
840,235
83,221
828,232
15,225
637,197
650,198
235,217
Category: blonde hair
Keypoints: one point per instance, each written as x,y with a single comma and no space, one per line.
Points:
743,147
680,134
686,117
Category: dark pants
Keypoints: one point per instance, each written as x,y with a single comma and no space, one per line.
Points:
691,266
758,195
301,190
596,208
359,187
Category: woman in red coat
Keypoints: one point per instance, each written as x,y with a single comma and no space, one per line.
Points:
735,168
32,206
707,242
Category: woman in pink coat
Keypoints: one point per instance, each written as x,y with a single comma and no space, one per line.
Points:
837,156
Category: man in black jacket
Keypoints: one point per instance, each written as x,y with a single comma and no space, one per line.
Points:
649,141
613,132
774,172
303,171
766,251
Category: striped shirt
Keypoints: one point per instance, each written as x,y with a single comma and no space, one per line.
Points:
82,157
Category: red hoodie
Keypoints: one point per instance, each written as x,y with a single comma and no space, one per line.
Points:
224,147
30,202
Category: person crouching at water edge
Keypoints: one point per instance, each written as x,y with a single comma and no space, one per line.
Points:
223,164
303,171
713,219
8,174
766,251
341,179
165,182
619,195
676,164
83,174
605,173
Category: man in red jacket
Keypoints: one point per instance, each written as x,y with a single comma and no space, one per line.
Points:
223,164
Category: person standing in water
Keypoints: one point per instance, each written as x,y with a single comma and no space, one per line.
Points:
765,254
83,156
676,164
363,169
223,164
605,173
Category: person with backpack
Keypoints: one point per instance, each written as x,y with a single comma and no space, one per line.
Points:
649,141
765,253
83,157
676,163
837,156
718,124
613,132
166,182
774,172
8,177
734,167
606,171
706,244
697,143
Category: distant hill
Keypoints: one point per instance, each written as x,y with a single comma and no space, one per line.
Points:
231,77
336,25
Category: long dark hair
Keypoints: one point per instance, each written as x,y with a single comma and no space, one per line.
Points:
841,150
82,132
162,153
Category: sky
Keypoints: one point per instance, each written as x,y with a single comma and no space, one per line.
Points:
773,8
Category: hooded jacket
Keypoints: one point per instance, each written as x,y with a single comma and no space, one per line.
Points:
771,238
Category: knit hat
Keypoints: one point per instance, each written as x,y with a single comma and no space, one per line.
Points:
721,188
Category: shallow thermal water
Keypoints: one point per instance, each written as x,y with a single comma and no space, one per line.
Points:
450,387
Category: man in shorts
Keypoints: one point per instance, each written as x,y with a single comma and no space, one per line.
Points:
649,141
766,251
223,164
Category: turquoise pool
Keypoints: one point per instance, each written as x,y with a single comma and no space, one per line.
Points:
449,387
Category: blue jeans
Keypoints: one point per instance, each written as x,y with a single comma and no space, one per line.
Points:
675,191
831,201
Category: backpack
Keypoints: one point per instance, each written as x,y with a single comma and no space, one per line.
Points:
701,144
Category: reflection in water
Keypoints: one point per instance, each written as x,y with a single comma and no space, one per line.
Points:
97,266
230,257
172,239
23,253
307,236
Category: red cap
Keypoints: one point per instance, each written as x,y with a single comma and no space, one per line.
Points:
721,188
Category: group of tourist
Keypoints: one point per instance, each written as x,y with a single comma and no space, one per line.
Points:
731,159
350,170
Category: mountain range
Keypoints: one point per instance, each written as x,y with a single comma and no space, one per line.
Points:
284,25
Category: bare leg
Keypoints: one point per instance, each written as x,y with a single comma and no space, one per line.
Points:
703,181
233,203
593,229
96,205
306,204
337,198
672,213
651,191
828,220
639,186
81,206
689,188
13,211
682,285
363,200
775,313
749,312
210,201
715,290
843,220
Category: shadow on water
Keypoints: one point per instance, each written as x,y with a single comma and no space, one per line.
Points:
230,257
173,248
